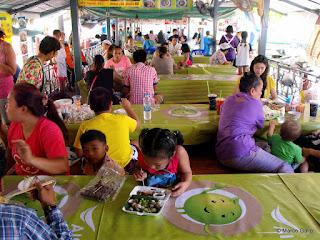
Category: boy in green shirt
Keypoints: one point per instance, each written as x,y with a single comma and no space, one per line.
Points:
282,145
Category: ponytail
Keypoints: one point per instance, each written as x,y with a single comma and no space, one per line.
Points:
53,115
159,142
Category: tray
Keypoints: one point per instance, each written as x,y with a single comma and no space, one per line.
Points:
150,190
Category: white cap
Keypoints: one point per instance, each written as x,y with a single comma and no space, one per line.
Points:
224,46
107,42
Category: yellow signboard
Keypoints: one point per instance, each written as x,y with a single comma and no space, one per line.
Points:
110,3
165,4
6,26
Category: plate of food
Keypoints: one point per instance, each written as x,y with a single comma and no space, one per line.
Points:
295,115
149,3
182,3
28,182
184,112
148,201
165,3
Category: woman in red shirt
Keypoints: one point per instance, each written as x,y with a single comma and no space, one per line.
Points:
36,143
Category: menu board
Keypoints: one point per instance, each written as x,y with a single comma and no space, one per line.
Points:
110,3
313,47
166,4
5,21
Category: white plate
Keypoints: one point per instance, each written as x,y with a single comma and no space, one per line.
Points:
120,111
149,189
23,185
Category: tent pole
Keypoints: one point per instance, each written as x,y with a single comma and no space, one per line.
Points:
264,28
76,43
189,28
125,31
202,39
116,37
215,25
108,23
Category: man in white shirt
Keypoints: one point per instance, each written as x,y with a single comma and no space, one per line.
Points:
174,47
60,62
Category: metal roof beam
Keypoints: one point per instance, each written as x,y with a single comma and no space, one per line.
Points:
54,10
301,7
276,11
12,11
314,2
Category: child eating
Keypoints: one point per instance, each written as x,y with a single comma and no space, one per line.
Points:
282,145
94,147
161,158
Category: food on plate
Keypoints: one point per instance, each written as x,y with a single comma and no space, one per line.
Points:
270,113
144,204
184,111
149,4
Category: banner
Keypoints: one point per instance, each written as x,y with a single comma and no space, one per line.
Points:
166,4
110,3
5,22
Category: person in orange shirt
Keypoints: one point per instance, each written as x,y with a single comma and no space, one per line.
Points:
70,66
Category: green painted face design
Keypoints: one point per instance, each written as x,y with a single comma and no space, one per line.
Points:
211,208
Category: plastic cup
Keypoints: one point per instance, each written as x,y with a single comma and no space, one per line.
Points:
212,101
313,108
219,102
77,100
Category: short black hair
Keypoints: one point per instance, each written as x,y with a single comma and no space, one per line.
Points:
92,135
140,56
229,29
249,81
162,51
129,37
244,34
100,99
56,31
185,48
175,36
164,44
49,44
146,36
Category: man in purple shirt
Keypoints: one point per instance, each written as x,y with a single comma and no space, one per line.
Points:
232,41
241,115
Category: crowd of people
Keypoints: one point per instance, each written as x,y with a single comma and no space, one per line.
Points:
36,138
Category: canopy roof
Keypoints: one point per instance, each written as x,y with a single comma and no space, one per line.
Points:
46,7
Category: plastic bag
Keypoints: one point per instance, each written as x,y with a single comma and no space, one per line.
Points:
103,185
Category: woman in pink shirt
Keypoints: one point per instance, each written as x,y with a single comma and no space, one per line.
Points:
118,62
8,68
36,143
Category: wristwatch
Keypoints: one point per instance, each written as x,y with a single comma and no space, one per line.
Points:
49,208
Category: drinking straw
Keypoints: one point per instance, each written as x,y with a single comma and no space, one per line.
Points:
220,93
208,88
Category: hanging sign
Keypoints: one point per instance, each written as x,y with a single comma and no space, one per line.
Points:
110,3
6,26
166,4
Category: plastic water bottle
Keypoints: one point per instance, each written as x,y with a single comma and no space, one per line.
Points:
147,107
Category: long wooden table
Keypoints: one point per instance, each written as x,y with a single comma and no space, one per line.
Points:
272,207
184,88
198,128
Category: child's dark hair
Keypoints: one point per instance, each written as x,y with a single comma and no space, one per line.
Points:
264,60
162,51
98,62
29,95
159,142
249,81
290,130
140,56
244,35
49,44
146,36
92,135
100,99
229,29
185,48
164,44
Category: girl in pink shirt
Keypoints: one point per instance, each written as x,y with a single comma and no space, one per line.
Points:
36,143
118,62
161,158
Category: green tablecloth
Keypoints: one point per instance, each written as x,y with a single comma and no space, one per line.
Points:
182,88
210,69
196,59
269,203
197,129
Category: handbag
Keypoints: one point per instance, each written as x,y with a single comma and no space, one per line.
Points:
94,80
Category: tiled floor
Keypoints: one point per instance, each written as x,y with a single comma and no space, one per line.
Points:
203,160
